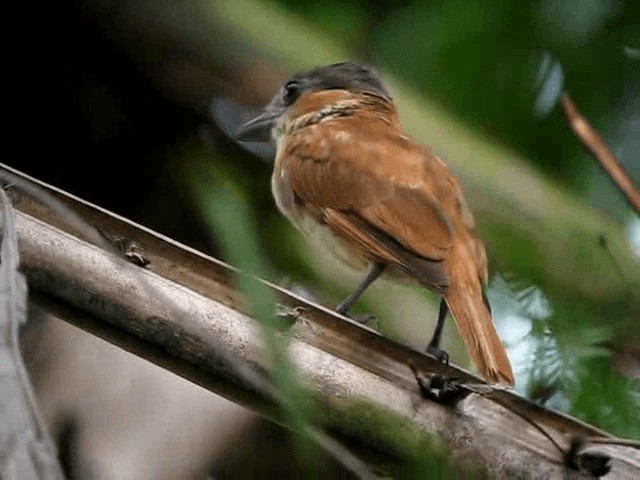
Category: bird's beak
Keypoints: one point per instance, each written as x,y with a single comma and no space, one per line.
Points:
259,128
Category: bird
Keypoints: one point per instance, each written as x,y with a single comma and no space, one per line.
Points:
347,177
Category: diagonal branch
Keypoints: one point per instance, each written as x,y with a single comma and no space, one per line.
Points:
362,381
592,140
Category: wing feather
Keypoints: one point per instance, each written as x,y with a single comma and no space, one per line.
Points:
390,183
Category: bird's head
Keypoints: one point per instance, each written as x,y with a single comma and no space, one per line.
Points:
312,91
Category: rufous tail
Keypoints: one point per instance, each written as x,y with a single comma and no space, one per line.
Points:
464,298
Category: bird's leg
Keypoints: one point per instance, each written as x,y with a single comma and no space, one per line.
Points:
374,273
434,345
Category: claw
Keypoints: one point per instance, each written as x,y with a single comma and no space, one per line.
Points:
439,354
368,320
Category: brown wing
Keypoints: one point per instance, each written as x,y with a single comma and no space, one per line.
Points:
381,247
371,180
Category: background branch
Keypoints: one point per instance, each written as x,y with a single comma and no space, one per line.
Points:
592,140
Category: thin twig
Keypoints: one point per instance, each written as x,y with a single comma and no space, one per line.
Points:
592,140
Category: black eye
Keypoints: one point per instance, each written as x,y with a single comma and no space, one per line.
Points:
291,91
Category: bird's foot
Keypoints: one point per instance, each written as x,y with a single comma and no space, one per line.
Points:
367,319
438,353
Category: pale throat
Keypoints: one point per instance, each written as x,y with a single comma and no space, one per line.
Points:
287,125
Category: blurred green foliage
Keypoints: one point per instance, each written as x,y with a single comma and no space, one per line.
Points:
562,358
225,208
